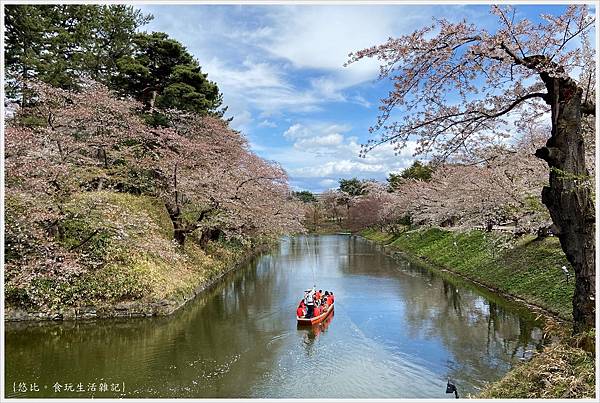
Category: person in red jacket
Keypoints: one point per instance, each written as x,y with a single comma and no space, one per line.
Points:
329,299
332,297
300,311
317,310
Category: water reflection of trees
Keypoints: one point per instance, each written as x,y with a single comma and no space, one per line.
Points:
310,334
160,356
236,321
483,335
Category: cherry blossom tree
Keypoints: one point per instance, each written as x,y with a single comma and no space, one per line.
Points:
64,142
457,86
203,171
213,183
365,211
332,202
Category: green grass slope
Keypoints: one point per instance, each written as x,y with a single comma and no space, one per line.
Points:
123,249
526,268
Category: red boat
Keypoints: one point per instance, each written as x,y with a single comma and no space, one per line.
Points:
315,319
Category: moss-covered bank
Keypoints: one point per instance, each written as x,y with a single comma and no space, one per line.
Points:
558,372
528,269
127,263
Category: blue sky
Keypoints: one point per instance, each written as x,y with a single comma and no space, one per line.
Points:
280,68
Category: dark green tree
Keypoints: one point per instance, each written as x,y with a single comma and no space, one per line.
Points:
61,44
353,187
163,74
305,196
119,24
417,171
23,45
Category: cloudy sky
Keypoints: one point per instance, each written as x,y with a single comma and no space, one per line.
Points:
280,68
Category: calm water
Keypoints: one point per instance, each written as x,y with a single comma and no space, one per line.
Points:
398,331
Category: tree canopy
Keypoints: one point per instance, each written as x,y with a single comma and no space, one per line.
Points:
353,187
161,73
417,171
63,45
305,196
456,85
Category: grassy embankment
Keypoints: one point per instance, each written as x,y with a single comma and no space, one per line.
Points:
528,270
124,244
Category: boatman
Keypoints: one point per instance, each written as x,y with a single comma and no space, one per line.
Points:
310,302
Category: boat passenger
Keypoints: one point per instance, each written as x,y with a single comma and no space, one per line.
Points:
332,297
317,311
300,311
318,294
329,299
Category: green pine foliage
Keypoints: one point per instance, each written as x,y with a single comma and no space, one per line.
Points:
353,187
417,170
60,44
64,44
305,196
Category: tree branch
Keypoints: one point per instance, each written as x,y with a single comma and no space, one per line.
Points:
588,108
86,240
516,102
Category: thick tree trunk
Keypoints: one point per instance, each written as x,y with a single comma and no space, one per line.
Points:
211,234
180,230
568,196
179,233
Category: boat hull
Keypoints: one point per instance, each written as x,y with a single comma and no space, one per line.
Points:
316,319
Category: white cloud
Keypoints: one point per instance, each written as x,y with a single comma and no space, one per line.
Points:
321,37
328,140
328,183
299,130
250,75
295,131
360,100
322,153
265,86
267,123
339,167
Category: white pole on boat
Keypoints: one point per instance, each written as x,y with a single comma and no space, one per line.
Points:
313,266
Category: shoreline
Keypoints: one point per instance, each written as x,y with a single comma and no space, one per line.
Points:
565,365
127,309
423,260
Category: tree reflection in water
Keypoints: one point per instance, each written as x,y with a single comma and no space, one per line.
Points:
396,324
